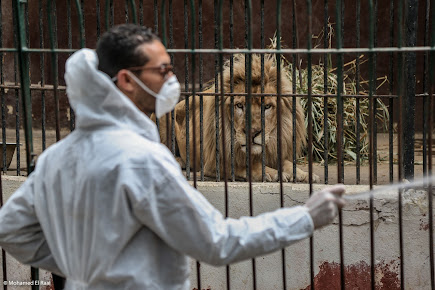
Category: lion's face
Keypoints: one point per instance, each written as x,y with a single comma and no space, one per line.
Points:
240,125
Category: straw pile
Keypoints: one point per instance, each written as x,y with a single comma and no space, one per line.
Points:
349,106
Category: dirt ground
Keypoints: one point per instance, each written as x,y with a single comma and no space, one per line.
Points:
350,170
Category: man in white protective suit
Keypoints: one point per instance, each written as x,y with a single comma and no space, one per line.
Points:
108,207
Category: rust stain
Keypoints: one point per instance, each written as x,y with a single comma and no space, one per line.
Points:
424,226
357,276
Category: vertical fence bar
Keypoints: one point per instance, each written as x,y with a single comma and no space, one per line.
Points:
25,91
375,100
42,72
409,101
72,121
156,16
401,93
51,11
340,173
107,13
425,89
430,130
4,269
141,12
216,87
249,29
263,122
192,36
294,89
325,91
201,97
310,128
3,99
358,108
233,175
391,100
4,168
371,133
222,103
279,124
17,95
186,88
340,167
80,5
171,45
126,11
156,31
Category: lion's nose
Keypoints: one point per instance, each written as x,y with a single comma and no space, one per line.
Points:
255,133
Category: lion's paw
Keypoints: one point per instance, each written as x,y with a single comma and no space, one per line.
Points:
303,176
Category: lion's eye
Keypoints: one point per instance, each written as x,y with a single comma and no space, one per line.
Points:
268,106
239,105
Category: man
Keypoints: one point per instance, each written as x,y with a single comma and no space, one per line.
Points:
108,207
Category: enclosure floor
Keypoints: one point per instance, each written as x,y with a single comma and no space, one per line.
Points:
350,170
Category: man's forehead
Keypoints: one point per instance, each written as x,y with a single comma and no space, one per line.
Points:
156,52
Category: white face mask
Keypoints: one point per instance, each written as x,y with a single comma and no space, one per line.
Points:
167,97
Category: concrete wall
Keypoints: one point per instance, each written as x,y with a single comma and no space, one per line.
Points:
356,246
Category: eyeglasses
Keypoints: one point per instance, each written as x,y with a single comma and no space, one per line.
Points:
163,70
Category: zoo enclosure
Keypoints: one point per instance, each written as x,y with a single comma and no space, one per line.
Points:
398,38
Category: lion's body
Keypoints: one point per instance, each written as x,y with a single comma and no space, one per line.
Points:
268,130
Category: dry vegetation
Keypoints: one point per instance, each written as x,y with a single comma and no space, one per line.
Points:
349,104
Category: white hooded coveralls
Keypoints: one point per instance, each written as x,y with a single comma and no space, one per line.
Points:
108,207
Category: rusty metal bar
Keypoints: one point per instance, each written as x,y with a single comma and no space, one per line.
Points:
216,90
263,122
42,72
401,94
375,100
310,128
426,80
72,118
431,103
358,108
3,99
171,45
390,100
186,88
17,97
52,22
340,141
22,41
279,126
201,97
233,174
4,269
222,104
325,90
294,90
248,89
411,13
371,120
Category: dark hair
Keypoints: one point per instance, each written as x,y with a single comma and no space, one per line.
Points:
118,48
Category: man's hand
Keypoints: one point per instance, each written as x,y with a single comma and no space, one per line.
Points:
323,205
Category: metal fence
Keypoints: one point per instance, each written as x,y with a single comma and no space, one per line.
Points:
390,39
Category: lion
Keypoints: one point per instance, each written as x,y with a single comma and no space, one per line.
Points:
238,103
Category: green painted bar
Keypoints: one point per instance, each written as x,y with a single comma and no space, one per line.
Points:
26,99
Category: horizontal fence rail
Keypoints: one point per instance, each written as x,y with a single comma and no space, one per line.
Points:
281,91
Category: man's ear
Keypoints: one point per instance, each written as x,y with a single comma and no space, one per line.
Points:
125,82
